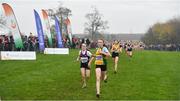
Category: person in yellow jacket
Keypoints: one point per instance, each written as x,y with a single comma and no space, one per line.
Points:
116,49
101,64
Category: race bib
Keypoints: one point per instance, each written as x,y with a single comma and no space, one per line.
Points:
99,57
84,59
99,60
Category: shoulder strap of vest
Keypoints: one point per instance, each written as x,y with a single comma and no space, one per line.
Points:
80,52
86,52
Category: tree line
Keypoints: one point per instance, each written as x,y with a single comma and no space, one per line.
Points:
163,33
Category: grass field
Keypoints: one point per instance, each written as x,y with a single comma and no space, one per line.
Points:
148,75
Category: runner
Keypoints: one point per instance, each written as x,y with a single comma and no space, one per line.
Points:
129,50
115,54
101,65
84,56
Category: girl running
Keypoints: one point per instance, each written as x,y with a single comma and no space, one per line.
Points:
115,54
84,56
129,50
101,64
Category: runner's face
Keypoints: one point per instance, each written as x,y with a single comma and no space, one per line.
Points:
83,47
100,43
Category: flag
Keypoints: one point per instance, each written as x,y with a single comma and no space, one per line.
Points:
47,27
58,34
13,26
39,31
69,30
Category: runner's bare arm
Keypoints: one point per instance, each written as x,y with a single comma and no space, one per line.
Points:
120,49
105,53
78,57
112,49
90,61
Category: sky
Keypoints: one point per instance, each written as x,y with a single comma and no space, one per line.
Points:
123,16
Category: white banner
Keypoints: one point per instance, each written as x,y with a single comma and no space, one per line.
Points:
14,55
56,51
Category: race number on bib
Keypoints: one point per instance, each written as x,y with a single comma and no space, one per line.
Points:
99,60
99,57
84,59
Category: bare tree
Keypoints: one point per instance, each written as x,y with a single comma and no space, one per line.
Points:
95,24
62,13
